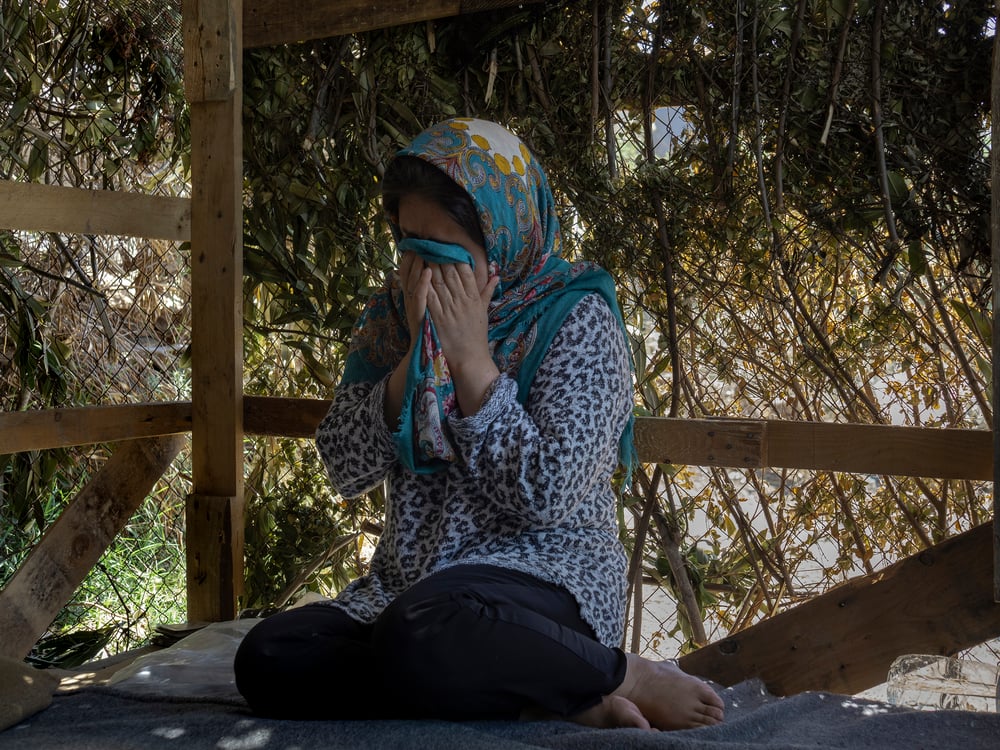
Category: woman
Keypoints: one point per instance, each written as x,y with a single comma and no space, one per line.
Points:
488,385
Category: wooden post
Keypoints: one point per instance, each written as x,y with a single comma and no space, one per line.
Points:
214,553
213,50
75,542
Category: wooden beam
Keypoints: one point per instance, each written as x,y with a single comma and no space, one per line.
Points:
869,449
705,442
44,429
820,446
283,417
881,449
936,602
213,81
68,210
269,22
211,47
57,565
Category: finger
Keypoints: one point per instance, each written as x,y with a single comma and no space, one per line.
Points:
437,275
487,294
415,301
421,287
405,271
415,269
462,276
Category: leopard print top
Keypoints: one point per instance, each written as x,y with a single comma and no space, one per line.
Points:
531,491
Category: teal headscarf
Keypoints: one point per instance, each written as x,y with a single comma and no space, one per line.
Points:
537,288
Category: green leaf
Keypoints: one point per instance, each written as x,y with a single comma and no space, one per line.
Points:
917,258
38,159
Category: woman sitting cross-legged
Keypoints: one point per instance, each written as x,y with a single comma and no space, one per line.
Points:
489,387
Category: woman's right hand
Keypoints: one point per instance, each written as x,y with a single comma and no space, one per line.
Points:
415,280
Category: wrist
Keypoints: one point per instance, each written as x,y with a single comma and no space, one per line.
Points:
472,383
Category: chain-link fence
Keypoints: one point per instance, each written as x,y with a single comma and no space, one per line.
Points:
93,101
759,290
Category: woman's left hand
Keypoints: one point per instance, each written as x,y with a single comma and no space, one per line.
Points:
460,311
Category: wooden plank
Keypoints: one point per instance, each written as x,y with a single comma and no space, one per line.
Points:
822,446
269,22
881,449
211,46
705,442
951,453
52,208
43,429
214,551
283,417
936,602
46,580
216,293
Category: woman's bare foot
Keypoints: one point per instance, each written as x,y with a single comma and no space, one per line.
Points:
613,712
667,697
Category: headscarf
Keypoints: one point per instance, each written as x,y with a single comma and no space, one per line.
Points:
537,288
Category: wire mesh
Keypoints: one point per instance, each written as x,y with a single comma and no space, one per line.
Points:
94,320
767,311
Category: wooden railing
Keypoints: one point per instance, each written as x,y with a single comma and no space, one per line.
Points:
747,443
937,602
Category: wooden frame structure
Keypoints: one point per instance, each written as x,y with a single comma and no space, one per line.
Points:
842,640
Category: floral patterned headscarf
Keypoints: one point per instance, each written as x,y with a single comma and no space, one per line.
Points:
537,287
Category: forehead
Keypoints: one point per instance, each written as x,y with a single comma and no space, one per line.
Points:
420,214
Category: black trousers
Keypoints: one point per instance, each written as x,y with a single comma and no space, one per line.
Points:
469,642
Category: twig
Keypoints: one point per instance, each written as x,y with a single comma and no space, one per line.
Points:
109,332
595,68
737,76
670,544
765,203
786,95
905,510
609,117
52,276
755,555
315,564
538,80
959,351
852,525
635,562
883,173
666,249
838,66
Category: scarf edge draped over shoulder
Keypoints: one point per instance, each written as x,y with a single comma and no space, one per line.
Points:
536,291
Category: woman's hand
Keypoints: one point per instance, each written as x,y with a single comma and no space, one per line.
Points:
415,280
460,311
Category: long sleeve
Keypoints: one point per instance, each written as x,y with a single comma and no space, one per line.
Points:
531,490
541,460
354,441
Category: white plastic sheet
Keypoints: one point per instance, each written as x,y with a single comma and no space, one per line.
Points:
198,667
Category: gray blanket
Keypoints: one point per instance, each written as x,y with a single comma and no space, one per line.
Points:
106,719
185,698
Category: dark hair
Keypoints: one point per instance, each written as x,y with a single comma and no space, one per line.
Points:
411,175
